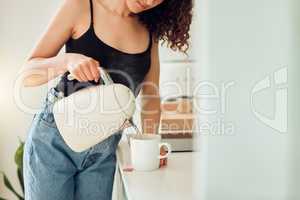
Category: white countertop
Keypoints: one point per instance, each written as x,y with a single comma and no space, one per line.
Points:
172,182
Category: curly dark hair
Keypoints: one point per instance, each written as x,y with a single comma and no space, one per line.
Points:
170,22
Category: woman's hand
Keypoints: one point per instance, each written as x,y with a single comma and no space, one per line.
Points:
83,68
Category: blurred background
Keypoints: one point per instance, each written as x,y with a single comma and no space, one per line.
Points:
250,50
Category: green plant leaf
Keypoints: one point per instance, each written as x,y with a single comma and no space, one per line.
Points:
21,178
9,186
19,155
19,162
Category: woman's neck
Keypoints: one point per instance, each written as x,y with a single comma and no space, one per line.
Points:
115,7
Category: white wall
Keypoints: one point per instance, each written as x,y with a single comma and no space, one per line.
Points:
245,42
22,22
294,108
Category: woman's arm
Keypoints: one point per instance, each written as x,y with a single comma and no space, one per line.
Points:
150,116
44,63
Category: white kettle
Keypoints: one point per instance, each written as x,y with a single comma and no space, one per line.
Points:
92,114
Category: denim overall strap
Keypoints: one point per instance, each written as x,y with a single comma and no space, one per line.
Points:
52,96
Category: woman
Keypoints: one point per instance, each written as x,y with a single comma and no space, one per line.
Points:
122,37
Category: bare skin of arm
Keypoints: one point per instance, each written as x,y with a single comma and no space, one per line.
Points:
44,63
151,105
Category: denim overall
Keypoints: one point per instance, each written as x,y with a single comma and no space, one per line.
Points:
52,171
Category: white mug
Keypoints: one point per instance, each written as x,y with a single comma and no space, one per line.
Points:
145,151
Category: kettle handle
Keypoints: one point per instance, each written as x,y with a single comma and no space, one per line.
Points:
103,75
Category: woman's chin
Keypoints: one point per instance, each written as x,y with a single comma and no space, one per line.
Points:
135,11
134,8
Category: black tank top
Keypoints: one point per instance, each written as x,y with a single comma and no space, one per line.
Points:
129,69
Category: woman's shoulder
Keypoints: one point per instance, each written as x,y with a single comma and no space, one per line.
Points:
75,12
76,4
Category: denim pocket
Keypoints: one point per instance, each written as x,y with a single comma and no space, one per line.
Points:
27,149
27,163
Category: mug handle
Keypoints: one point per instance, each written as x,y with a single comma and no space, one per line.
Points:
168,147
